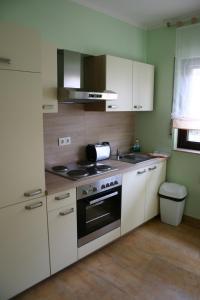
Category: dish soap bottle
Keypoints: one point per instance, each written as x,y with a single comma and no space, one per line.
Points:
136,146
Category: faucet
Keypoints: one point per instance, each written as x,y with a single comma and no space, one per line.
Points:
117,154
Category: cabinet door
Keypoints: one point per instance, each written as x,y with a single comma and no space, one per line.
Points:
155,176
20,48
143,86
61,199
49,78
119,80
62,237
21,136
133,197
24,254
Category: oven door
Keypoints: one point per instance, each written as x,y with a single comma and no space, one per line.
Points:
98,214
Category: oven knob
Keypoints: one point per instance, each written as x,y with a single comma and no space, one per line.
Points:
107,184
112,183
103,186
116,182
84,192
94,189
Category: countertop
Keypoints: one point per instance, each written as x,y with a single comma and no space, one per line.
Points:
56,184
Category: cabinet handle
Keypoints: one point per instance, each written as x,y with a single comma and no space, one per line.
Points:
151,169
112,106
5,60
34,205
66,212
33,193
141,172
48,106
61,197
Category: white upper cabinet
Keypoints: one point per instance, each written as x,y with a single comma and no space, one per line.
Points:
20,48
49,78
132,81
143,86
118,79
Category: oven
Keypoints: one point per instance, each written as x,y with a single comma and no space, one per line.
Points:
98,208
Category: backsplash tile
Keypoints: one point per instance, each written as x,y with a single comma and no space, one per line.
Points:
85,127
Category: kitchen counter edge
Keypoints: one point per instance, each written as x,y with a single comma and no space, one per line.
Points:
56,184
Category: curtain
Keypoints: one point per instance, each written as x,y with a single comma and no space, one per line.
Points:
186,101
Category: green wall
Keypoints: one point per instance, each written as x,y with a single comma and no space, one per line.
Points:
74,27
153,128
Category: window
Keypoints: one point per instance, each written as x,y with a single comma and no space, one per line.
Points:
189,139
186,101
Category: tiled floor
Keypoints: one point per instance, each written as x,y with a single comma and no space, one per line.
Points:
154,262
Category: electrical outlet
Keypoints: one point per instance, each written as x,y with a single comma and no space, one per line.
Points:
67,140
64,141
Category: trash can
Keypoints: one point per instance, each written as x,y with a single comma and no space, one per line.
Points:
172,202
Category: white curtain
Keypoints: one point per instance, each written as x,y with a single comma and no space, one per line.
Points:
186,102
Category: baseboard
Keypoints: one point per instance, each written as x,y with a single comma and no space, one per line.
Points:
191,221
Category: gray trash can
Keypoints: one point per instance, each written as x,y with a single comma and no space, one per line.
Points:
172,202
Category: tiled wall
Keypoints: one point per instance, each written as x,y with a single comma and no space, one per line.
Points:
85,127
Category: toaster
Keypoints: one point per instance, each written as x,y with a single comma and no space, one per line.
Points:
99,151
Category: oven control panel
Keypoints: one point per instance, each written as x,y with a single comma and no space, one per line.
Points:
98,186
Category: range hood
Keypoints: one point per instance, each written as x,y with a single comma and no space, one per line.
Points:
71,80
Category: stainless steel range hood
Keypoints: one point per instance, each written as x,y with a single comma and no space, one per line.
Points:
71,80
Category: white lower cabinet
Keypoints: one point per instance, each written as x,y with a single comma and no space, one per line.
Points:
140,201
155,176
133,199
62,230
24,253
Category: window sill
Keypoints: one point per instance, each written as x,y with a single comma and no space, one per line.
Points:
187,150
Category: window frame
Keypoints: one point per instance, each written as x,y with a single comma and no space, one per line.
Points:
183,143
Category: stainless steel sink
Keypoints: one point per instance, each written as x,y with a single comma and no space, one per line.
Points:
134,158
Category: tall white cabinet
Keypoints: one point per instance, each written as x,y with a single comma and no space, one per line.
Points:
21,134
24,258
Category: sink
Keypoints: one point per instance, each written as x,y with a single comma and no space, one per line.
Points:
134,158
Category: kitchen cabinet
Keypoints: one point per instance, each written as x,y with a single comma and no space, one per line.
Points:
118,79
62,226
24,257
20,48
107,72
143,86
140,201
155,176
132,81
133,199
21,135
24,253
49,78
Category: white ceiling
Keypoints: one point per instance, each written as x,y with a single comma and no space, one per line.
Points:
145,13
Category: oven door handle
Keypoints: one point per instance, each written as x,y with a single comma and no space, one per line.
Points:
103,198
